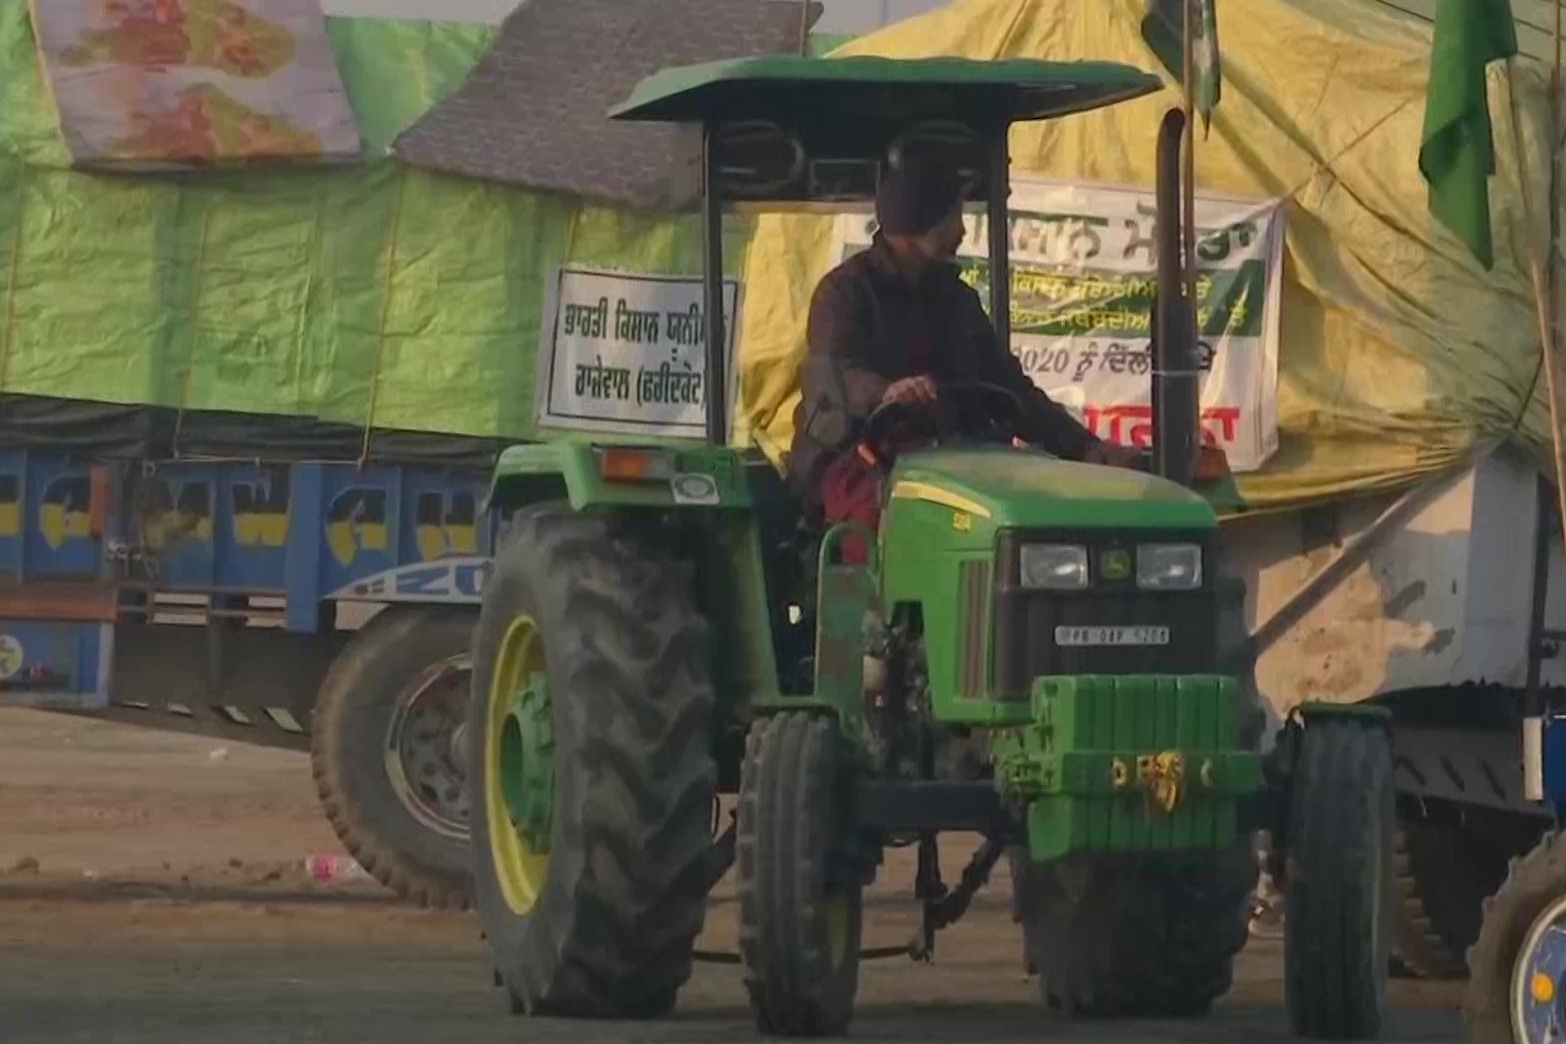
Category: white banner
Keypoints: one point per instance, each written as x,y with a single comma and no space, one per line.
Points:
625,354
1083,273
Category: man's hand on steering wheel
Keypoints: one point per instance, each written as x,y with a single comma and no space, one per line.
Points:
911,389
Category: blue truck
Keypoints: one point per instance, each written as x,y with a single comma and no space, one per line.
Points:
320,606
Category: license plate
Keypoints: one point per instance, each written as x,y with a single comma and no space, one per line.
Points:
1123,636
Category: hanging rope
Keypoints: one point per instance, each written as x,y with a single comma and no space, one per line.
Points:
380,329
12,278
190,340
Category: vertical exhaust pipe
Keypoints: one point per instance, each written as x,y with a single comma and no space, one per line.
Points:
1174,374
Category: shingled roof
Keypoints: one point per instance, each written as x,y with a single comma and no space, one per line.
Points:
532,113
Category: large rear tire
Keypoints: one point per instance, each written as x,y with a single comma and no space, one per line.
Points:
385,753
591,767
1338,932
1147,940
1513,949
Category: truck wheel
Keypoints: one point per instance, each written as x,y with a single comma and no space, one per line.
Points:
591,768
800,913
1517,969
1338,933
1154,940
385,747
1442,882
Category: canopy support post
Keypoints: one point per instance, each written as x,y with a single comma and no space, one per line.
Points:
1192,318
715,391
998,223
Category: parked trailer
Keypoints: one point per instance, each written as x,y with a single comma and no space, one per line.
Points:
1431,602
307,605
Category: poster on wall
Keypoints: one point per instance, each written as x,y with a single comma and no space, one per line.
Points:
624,353
169,84
1083,274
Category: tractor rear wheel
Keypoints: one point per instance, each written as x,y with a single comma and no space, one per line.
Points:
1338,880
1518,966
591,768
1150,940
800,913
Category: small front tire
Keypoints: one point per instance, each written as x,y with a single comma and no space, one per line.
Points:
1339,891
799,894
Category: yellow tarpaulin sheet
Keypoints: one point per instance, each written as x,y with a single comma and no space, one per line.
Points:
1398,355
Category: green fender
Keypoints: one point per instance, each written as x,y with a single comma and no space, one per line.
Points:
686,477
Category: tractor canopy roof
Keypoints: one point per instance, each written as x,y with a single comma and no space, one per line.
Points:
868,90
787,128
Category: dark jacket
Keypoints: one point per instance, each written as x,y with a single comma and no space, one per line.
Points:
862,321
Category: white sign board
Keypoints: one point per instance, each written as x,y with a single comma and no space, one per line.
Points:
1083,273
625,354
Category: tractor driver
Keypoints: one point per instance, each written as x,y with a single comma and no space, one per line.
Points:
892,324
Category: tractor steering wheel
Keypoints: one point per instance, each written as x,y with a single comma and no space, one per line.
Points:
892,423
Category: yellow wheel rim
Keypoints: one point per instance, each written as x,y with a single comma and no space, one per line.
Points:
520,867
837,929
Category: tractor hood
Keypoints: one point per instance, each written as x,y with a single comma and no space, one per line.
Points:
1021,488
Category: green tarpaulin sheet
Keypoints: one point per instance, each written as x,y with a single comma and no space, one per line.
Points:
372,294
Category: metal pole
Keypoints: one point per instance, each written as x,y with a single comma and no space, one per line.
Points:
1188,175
716,385
1189,223
1533,702
1174,384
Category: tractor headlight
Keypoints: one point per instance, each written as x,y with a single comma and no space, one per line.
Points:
1169,567
1057,567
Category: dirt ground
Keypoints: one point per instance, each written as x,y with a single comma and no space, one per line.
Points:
153,889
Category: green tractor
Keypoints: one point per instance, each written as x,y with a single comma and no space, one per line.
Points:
1041,652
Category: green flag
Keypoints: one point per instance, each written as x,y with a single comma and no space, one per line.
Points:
1163,28
1457,151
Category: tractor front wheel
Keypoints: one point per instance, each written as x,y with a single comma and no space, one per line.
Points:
1339,880
591,768
799,895
1152,940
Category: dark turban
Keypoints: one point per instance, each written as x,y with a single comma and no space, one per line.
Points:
914,198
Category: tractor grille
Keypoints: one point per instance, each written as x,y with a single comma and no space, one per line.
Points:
973,594
1025,620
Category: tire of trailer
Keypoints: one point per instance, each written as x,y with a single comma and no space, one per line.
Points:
608,928
799,897
1154,939
1535,883
1338,881
1439,898
426,860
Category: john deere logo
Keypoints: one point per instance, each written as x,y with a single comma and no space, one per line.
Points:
1116,565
